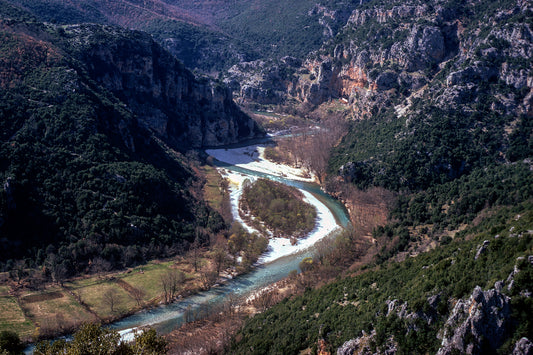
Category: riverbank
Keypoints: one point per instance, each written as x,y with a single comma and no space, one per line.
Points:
252,158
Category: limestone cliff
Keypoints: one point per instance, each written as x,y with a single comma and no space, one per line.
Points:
387,54
397,52
166,98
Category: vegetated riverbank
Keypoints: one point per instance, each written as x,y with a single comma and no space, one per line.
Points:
55,310
51,309
249,163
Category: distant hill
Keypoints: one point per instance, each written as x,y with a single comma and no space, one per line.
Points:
207,35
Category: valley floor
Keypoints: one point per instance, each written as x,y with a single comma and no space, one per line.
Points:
252,158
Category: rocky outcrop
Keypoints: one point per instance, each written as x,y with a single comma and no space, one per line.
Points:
362,346
381,15
478,324
165,97
481,249
385,55
523,347
264,82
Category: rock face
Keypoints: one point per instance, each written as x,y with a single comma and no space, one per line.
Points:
393,53
166,97
362,346
262,81
412,54
523,347
477,325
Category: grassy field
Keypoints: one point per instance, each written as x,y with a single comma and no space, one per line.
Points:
149,281
12,317
213,193
54,309
216,193
95,297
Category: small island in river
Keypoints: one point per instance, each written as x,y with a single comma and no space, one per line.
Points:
276,209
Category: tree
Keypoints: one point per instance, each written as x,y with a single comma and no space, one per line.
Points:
93,339
194,251
111,297
220,257
10,343
306,264
170,283
237,240
265,299
138,295
18,272
208,278
149,343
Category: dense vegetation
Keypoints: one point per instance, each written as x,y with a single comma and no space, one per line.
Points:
199,47
276,28
434,147
342,310
93,339
10,343
457,125
279,207
98,189
90,339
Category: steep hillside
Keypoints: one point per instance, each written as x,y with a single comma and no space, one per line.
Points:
434,89
427,304
447,93
439,97
188,34
168,99
92,122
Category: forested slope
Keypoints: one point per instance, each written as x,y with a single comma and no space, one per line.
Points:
472,295
93,120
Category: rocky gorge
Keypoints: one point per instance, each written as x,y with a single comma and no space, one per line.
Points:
180,109
393,54
419,117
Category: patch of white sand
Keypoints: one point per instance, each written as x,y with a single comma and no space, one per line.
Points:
325,224
253,158
235,191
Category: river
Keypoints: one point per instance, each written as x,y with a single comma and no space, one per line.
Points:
166,318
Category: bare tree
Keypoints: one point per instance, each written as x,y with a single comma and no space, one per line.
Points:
194,251
18,272
100,265
208,278
312,149
171,282
138,295
231,304
220,258
59,273
265,299
111,298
